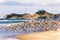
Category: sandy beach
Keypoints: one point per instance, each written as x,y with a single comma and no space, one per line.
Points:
48,35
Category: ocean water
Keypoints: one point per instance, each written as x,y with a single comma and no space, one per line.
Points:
7,21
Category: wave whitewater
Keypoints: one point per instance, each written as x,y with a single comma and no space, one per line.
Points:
14,29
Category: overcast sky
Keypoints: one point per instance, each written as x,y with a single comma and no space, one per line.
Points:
28,6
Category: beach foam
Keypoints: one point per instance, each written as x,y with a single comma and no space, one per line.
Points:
8,39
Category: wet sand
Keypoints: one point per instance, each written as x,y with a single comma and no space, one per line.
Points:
8,39
48,35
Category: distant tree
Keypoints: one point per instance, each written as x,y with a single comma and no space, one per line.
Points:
42,17
56,17
40,11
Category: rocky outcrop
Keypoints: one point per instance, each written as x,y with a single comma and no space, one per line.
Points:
41,14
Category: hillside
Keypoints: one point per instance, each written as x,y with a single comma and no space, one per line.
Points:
41,14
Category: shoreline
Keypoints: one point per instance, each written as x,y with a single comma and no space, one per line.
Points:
29,27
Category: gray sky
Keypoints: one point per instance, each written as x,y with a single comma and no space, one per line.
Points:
28,6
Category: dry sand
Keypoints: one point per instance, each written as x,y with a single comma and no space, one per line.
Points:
48,35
